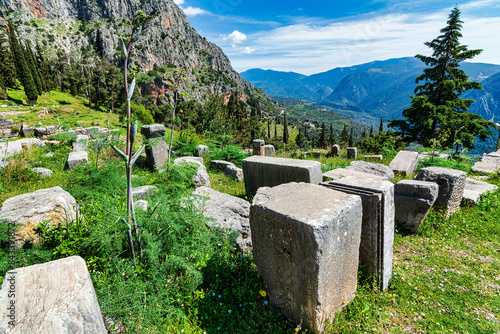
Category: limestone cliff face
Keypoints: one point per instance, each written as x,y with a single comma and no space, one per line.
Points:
73,25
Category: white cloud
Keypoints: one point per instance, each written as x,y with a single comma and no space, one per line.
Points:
235,38
179,2
313,48
193,11
247,51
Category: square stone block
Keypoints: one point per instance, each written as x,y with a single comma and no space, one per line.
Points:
306,245
405,162
153,131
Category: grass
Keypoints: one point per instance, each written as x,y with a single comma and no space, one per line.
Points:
194,280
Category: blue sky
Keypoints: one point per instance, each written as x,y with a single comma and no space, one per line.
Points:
314,36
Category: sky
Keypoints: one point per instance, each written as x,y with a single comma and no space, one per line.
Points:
311,36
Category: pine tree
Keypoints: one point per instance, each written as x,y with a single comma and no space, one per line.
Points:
275,130
344,136
371,132
381,127
351,138
299,140
44,68
7,67
268,128
30,59
436,111
322,137
363,135
22,69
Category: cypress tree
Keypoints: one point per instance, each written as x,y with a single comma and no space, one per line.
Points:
363,135
299,141
44,68
275,130
268,128
344,137
285,129
35,72
22,69
7,67
381,127
322,137
351,138
371,132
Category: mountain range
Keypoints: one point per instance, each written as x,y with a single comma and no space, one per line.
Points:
379,88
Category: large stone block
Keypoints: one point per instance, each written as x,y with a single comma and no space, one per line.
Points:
234,172
269,150
377,236
306,245
220,164
413,199
201,178
51,204
228,212
339,173
258,147
352,152
269,172
157,149
451,187
474,189
78,158
405,162
335,150
53,297
80,144
372,168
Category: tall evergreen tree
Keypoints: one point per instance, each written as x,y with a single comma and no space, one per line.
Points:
344,136
351,138
331,138
381,126
30,59
322,137
44,68
437,112
268,128
275,130
22,69
7,67
363,135
371,132
299,140
285,129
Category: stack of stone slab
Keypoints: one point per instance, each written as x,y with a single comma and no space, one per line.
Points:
451,185
426,155
156,149
371,168
339,173
53,297
489,163
377,235
412,200
404,163
306,242
6,126
262,171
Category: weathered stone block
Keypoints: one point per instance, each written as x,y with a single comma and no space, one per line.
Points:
451,187
229,212
201,178
377,235
14,147
339,173
42,172
141,204
413,199
202,150
269,172
27,131
372,168
53,297
352,152
153,131
142,192
220,164
474,189
269,150
157,149
258,147
234,172
78,158
93,131
80,144
336,150
306,245
405,162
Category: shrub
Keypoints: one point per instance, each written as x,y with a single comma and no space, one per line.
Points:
229,153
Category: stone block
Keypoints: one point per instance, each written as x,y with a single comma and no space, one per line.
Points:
258,147
335,150
157,149
93,131
78,158
27,131
372,168
141,204
201,178
306,242
377,234
50,130
220,164
269,150
80,144
451,187
234,172
352,152
269,172
42,172
153,131
413,199
142,192
228,212
405,162
202,150
339,173
53,297
474,189
378,157
14,147
40,132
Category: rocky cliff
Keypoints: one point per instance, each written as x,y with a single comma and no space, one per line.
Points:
74,25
